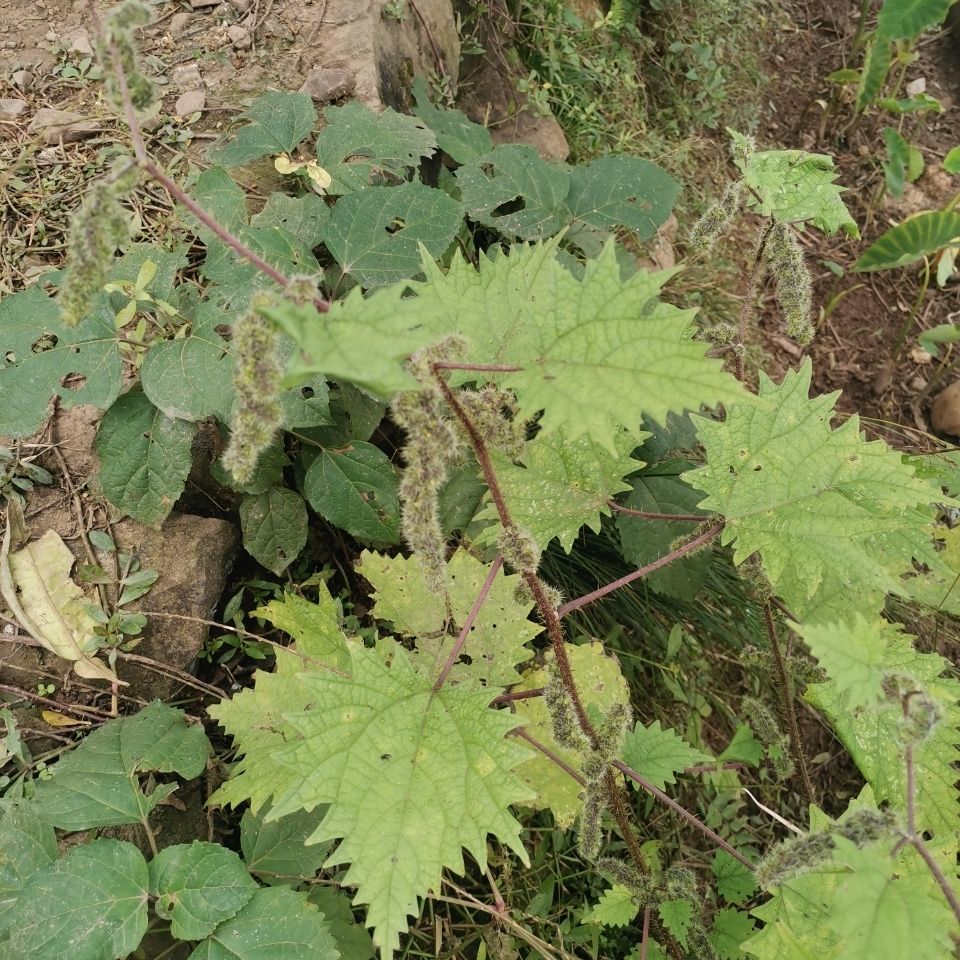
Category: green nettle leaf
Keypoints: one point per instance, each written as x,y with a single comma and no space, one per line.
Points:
359,146
497,641
41,359
601,685
274,527
676,916
744,747
939,585
615,908
561,485
198,885
875,913
735,883
920,236
97,783
144,458
353,941
835,518
376,235
876,66
852,653
446,749
277,851
267,473
356,489
731,928
89,905
28,843
658,754
307,405
276,924
907,19
795,187
277,122
305,217
614,192
459,138
642,541
514,191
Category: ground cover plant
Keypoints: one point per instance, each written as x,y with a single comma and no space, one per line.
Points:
490,334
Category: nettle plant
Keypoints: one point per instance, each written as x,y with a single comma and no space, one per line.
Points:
535,376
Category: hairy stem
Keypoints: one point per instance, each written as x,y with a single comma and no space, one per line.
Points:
748,307
651,515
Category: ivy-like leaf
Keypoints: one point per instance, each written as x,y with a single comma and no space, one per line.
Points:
496,644
89,905
735,883
197,886
277,122
731,928
277,851
835,518
514,191
376,235
358,147
144,458
676,916
356,489
96,784
274,527
41,359
659,754
305,217
28,843
448,749
276,924
615,908
920,236
907,19
459,138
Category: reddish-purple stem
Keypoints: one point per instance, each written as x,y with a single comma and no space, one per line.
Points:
517,695
549,754
645,936
651,515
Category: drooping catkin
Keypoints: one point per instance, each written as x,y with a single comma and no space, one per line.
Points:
716,219
257,411
785,259
117,38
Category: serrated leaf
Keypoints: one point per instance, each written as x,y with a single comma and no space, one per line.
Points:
27,844
277,122
89,905
353,941
514,191
198,885
876,66
907,19
274,527
658,754
277,850
797,187
852,654
676,916
938,586
96,784
41,359
615,908
267,473
642,541
376,234
144,458
459,138
358,147
615,192
920,236
743,747
834,517
448,749
601,685
305,217
497,641
731,928
276,924
356,489
735,883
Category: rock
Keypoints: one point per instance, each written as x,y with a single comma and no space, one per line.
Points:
74,432
915,87
202,4
326,85
186,76
11,109
79,42
193,101
945,411
544,134
239,37
241,6
57,125
178,23
22,79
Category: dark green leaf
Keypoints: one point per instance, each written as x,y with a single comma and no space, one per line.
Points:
920,236
277,851
277,123
307,405
303,217
459,138
876,66
907,19
27,844
274,526
353,941
266,474
897,160
951,162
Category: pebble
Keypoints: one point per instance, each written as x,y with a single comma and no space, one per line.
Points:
326,83
945,411
11,109
201,4
178,23
239,37
241,6
186,76
65,125
193,101
915,87
50,36
21,78
80,43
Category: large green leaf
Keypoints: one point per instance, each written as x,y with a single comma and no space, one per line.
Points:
516,192
876,66
907,19
197,886
444,780
144,458
835,518
616,907
731,928
305,217
735,882
615,192
353,940
276,924
658,754
376,235
497,640
277,850
276,123
358,147
89,905
27,844
356,489
461,139
41,359
920,236
274,527
97,783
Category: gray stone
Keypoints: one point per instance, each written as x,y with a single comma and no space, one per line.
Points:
186,76
241,6
12,109
57,125
193,101
178,23
79,42
202,4
22,79
325,85
239,37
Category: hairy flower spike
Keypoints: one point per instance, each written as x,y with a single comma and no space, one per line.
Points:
611,731
717,218
257,412
556,698
784,257
588,840
118,37
761,720
494,414
519,550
